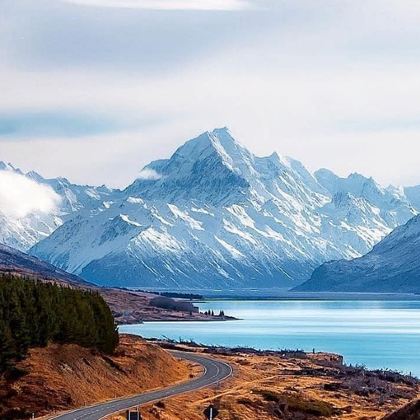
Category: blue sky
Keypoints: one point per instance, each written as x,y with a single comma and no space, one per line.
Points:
95,89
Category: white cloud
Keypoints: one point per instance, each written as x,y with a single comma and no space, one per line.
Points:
167,4
20,196
149,175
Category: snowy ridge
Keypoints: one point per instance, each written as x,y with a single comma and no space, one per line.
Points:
215,215
392,266
22,232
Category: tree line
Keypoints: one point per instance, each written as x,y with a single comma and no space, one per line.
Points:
211,313
33,313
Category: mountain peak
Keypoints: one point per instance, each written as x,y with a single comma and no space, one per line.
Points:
355,183
324,172
35,176
209,149
219,141
357,177
222,132
7,166
208,167
224,136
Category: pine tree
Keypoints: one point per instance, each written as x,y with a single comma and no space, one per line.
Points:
33,313
7,354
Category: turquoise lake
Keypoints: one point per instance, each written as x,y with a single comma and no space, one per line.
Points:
377,334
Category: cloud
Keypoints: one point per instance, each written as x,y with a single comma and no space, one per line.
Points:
149,175
167,4
296,78
21,196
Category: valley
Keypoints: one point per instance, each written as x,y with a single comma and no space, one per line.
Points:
209,210
260,227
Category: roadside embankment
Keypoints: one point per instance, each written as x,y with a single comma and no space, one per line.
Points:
61,377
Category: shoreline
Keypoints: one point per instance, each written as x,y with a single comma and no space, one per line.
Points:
281,294
316,296
231,350
189,320
304,382
365,333
148,321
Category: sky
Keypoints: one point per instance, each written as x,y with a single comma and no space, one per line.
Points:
95,89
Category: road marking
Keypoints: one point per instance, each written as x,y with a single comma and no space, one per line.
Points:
113,406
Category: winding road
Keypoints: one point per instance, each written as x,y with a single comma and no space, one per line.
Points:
215,371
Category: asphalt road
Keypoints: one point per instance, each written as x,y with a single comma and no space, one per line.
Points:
214,371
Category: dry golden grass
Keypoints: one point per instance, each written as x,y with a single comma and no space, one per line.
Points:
269,387
61,377
263,386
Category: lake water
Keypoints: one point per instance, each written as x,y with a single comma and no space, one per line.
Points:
378,334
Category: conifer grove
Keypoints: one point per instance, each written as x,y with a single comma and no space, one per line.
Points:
33,313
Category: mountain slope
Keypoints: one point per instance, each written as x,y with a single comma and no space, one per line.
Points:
22,231
15,261
215,215
126,306
392,266
391,204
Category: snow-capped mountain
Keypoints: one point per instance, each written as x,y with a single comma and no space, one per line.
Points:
22,231
214,215
75,197
360,202
393,205
392,266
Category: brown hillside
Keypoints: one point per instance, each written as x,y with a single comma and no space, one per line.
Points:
61,377
408,412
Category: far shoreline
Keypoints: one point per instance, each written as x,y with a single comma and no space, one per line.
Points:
281,294
317,297
232,318
263,296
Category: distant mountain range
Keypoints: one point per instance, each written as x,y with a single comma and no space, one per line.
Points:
213,216
24,232
392,266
